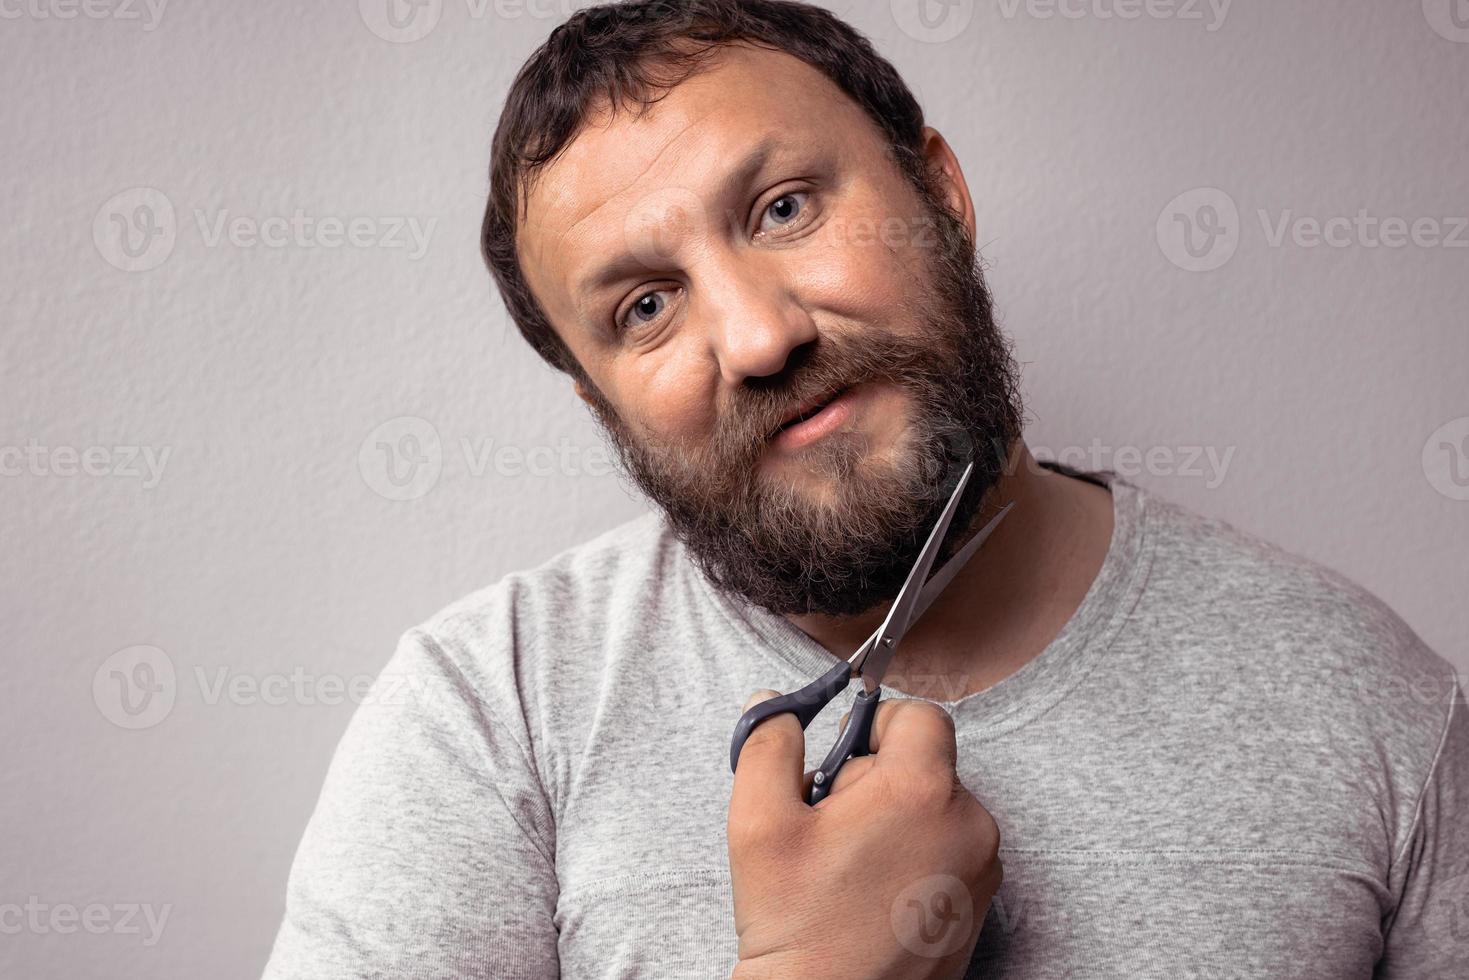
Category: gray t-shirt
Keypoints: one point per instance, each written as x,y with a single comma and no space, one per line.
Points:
1230,763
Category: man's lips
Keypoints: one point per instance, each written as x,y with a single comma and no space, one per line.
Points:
813,419
807,409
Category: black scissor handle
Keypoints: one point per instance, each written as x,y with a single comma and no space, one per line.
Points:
805,704
855,740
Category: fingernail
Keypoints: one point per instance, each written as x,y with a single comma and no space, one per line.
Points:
758,696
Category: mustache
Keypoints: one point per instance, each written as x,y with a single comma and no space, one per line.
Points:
833,364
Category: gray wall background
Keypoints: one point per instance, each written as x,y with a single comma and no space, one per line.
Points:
180,643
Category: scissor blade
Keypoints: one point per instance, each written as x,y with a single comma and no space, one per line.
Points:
937,583
901,614
945,575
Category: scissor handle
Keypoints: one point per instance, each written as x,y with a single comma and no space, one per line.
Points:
855,740
805,704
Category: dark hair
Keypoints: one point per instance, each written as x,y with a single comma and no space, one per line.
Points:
629,55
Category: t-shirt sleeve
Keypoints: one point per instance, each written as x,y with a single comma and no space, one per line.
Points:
431,849
1428,931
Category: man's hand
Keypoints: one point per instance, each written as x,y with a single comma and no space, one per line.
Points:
890,876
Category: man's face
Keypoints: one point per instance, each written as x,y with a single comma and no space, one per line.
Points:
790,346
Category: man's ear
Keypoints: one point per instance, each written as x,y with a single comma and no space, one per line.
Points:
581,392
943,166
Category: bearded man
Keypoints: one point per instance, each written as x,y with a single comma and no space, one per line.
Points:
1126,741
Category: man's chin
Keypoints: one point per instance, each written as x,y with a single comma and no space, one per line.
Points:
831,530
818,470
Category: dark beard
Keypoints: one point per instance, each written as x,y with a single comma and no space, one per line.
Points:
778,548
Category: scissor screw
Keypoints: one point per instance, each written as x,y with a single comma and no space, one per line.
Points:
819,778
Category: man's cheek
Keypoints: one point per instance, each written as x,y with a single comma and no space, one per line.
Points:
656,402
859,279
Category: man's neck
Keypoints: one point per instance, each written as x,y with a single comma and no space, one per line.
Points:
1012,598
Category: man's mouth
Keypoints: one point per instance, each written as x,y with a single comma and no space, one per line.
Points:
813,419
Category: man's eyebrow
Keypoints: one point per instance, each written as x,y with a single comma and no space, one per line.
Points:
624,264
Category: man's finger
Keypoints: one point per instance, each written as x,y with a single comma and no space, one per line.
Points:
771,760
913,733
853,770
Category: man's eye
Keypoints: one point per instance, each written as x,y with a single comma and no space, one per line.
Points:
784,210
647,308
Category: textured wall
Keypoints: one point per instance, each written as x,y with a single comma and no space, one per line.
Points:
192,416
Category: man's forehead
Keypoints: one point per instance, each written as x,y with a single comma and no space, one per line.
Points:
686,143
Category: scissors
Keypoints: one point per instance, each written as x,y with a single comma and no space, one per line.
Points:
871,659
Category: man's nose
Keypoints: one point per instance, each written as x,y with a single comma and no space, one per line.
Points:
755,325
